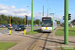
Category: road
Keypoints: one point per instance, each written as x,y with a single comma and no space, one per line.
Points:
6,31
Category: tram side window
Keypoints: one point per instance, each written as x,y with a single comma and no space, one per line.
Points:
51,23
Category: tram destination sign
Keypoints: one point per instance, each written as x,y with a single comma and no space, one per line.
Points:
46,18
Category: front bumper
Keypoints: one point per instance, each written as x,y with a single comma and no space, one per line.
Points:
17,29
46,30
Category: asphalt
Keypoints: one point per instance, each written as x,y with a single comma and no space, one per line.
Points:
6,31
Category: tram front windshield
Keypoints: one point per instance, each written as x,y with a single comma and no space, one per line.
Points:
47,23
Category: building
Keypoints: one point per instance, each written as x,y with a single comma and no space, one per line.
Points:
73,22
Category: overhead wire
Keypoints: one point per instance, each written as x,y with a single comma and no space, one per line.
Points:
48,5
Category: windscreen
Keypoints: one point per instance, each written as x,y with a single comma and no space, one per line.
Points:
46,22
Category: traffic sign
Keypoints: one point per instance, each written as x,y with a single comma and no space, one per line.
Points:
69,17
10,21
25,19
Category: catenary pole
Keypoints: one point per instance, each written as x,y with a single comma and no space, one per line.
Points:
43,10
32,17
66,21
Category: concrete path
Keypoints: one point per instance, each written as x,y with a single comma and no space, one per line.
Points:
6,31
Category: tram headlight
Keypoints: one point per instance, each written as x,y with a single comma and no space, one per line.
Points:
42,28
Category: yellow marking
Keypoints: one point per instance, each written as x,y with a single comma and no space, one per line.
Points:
24,31
25,20
46,28
9,32
27,47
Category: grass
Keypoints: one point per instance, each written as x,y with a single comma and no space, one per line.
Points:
6,45
59,26
33,26
60,31
67,48
34,32
3,28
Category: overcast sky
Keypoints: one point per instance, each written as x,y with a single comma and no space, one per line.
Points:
23,7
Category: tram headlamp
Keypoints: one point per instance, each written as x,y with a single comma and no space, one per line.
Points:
42,28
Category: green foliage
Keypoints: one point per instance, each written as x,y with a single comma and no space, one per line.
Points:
58,22
31,32
6,45
68,48
34,32
37,21
16,20
29,21
60,31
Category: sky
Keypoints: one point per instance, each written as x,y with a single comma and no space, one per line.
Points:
20,8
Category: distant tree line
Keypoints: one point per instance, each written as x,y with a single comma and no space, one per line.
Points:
16,20
58,22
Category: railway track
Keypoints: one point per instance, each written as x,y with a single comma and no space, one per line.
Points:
39,43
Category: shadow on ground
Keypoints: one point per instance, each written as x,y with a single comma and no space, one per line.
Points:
69,30
39,30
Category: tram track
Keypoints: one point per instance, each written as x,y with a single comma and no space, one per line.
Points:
39,43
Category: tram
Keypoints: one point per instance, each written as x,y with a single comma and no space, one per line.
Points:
48,24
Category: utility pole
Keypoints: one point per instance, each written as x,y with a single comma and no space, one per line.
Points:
43,10
32,17
66,21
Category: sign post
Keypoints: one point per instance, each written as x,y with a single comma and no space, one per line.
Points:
10,25
25,25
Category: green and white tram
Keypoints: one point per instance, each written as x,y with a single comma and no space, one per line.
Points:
48,25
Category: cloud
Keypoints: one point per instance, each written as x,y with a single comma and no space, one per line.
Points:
13,7
12,10
59,18
24,6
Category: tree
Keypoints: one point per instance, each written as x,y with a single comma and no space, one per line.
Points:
37,21
29,22
58,22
